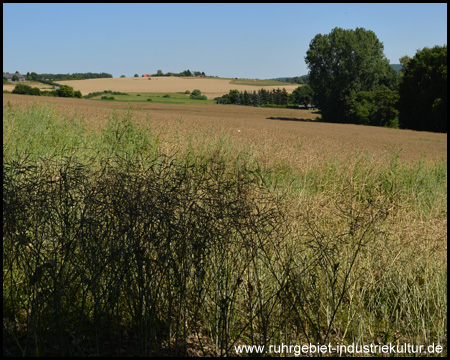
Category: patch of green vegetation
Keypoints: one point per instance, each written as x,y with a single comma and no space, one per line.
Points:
98,94
163,98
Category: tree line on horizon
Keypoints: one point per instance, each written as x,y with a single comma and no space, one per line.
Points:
64,77
181,74
304,79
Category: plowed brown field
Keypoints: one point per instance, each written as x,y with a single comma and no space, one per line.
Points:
210,87
287,136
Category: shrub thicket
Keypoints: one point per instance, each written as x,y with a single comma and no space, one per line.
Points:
26,90
65,91
62,91
95,94
197,95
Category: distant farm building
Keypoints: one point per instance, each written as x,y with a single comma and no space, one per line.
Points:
146,75
9,76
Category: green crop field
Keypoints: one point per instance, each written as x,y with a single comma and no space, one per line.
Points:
162,98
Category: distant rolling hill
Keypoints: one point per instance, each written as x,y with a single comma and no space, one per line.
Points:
294,79
396,67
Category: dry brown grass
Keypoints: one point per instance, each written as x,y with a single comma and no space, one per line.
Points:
210,87
286,136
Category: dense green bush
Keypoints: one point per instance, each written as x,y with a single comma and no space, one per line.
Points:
26,90
197,95
49,93
65,91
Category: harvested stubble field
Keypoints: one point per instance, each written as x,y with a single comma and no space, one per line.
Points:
210,87
153,229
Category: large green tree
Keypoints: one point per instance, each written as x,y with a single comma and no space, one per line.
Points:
423,91
342,64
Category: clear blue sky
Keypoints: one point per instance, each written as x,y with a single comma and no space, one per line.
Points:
228,40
